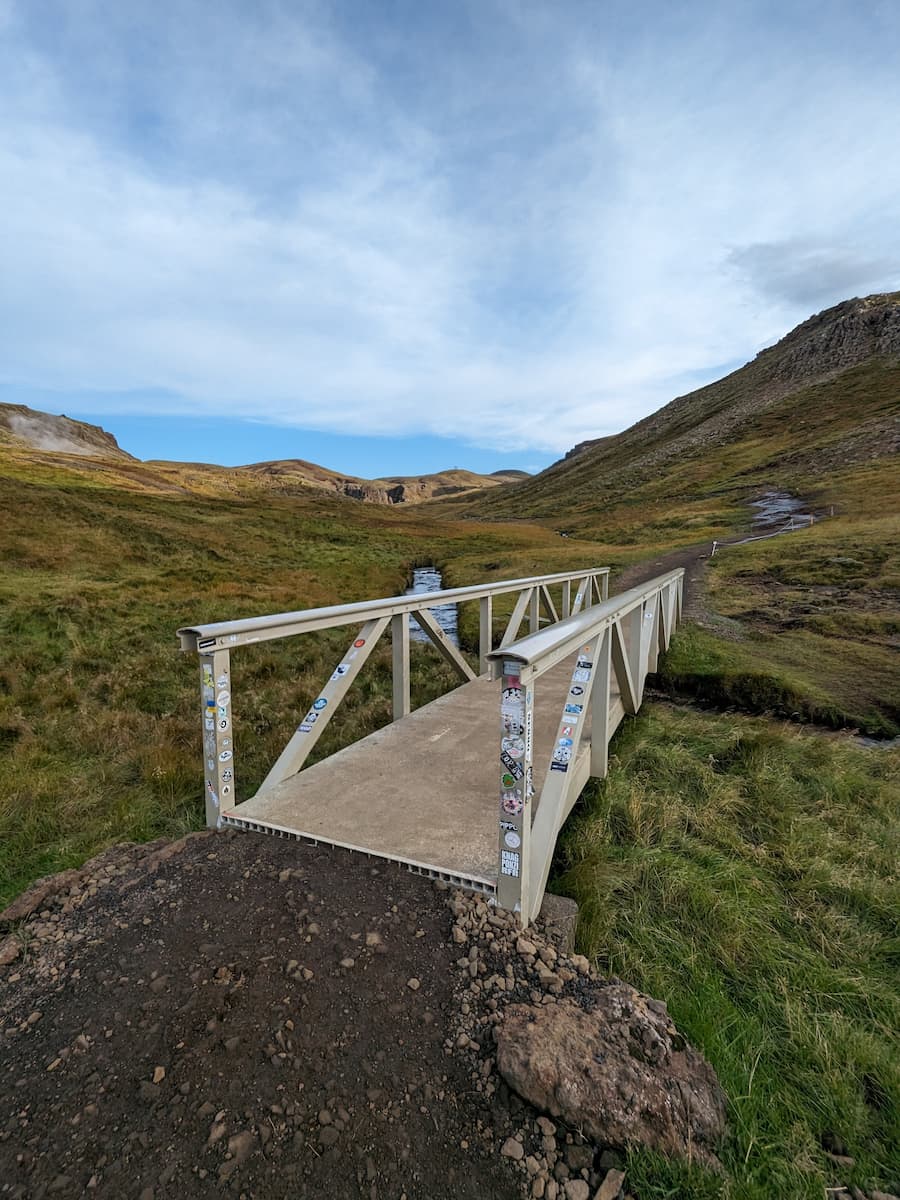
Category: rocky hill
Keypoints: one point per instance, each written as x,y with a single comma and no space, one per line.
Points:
47,438
286,474
826,395
27,428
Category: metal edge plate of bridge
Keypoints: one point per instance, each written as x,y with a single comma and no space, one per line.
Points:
473,787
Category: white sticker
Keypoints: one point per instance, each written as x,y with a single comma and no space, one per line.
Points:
225,756
513,746
509,863
512,840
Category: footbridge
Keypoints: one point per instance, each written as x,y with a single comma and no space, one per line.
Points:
474,787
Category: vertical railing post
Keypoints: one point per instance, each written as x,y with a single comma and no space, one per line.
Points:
218,734
604,586
600,706
400,660
566,608
516,788
485,632
534,610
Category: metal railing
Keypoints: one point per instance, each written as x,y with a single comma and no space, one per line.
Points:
795,523
214,644
617,644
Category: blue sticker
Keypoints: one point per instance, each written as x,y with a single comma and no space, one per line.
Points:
320,704
558,766
565,742
575,708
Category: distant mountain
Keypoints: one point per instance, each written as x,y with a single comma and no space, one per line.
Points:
21,426
286,474
826,397
46,436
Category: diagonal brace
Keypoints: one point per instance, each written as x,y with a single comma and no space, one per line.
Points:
298,749
443,643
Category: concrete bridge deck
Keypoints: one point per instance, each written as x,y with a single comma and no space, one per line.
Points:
422,791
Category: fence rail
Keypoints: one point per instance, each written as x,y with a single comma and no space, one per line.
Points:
617,644
577,591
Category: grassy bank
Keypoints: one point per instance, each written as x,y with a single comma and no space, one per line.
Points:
804,626
745,872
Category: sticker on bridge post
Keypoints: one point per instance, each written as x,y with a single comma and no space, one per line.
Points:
516,751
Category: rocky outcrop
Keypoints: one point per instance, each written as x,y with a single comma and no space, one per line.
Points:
60,435
620,1072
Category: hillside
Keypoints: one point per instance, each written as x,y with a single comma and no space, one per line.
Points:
27,429
816,413
42,438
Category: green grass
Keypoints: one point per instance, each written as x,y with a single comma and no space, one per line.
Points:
810,628
746,873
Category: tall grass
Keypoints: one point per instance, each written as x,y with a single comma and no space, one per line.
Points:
747,874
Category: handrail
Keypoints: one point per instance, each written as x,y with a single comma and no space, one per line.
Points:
214,643
614,644
567,635
277,625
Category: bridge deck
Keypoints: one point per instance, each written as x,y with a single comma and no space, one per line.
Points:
422,791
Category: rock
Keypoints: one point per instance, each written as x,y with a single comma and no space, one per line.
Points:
559,916
546,1126
9,950
373,939
325,1117
524,947
611,1186
413,984
620,1073
241,1145
33,899
512,1148
159,1074
577,1189
328,1135
347,963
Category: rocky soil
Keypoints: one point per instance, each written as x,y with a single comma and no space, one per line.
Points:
245,1016
239,1014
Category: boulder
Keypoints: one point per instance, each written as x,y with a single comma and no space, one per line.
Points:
615,1068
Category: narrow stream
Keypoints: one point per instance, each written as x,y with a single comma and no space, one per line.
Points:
774,509
428,579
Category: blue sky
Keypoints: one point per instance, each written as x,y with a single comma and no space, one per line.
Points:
395,236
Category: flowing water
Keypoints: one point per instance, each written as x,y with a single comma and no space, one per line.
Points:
428,579
775,509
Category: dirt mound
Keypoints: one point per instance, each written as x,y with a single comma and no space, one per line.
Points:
240,1014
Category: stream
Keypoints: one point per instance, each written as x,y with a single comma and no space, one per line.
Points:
428,579
775,509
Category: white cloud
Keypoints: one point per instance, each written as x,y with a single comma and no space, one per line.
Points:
525,246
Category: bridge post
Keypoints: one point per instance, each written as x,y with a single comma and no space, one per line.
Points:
217,733
485,632
534,610
400,659
566,598
516,788
600,706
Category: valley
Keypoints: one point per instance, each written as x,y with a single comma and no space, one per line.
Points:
740,860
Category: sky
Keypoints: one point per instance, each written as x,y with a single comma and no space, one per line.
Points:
394,237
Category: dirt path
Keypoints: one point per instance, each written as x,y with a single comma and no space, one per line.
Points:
247,1016
691,558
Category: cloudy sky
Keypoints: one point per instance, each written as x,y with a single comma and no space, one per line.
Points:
393,235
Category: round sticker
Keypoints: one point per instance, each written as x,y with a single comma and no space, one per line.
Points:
512,840
223,698
512,727
508,780
577,691
564,741
224,756
513,746
562,754
320,704
359,643
512,803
